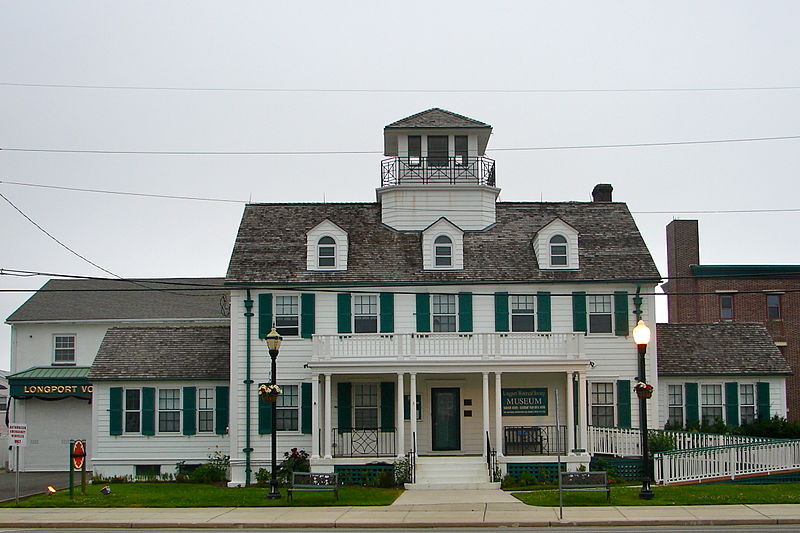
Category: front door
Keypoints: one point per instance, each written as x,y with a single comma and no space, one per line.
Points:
446,419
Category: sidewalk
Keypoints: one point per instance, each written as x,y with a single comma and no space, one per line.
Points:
400,515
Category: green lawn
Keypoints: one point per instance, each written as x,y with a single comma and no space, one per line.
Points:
704,494
195,495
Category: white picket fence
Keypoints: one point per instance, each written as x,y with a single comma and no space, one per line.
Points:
701,456
726,462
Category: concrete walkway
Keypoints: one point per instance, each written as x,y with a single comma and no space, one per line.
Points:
400,515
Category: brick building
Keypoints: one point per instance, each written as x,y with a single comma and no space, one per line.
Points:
764,294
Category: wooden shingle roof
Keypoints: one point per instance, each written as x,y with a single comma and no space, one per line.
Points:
722,348
166,352
437,118
271,245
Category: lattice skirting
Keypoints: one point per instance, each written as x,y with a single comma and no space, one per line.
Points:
543,472
629,469
361,474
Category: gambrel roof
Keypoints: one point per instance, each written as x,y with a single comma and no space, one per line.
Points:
271,245
163,352
722,348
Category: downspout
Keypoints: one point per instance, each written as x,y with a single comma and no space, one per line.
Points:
248,450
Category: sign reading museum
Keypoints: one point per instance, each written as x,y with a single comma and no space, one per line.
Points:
524,402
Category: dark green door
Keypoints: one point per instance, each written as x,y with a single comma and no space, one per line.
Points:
445,419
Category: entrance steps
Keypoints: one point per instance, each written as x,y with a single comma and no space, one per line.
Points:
443,473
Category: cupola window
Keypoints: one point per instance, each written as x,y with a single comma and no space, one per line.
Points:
414,150
326,251
437,151
443,250
558,250
461,149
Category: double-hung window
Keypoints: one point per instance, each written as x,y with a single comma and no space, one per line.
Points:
522,307
600,313
205,409
326,251
461,149
287,315
365,313
773,306
414,150
747,403
64,349
675,401
602,402
726,306
169,414
288,409
710,404
443,251
133,410
443,310
365,405
558,250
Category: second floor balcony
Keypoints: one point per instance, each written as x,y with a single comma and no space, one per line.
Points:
447,346
441,170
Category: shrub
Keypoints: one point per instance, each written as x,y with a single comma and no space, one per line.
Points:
214,471
659,441
402,471
293,461
263,476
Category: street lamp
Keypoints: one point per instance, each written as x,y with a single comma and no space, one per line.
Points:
273,340
641,336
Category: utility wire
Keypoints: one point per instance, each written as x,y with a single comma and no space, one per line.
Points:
375,90
367,152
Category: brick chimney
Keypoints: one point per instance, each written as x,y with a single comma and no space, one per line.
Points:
602,192
683,251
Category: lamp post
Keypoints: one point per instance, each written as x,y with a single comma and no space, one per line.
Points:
641,336
273,340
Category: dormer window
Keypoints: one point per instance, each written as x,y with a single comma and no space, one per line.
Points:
443,251
326,250
558,251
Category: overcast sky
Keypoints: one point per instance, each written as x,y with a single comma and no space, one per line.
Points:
350,68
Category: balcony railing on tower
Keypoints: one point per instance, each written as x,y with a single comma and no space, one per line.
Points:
437,170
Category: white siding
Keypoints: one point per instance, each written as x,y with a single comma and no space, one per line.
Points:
415,208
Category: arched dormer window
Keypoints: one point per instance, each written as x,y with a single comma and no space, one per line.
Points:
443,250
326,252
558,250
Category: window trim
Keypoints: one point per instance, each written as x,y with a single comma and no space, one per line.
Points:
612,405
125,411
74,360
376,407
589,314
296,408
681,405
439,242
703,405
741,403
562,243
333,246
532,313
275,315
377,313
212,409
178,409
454,314
778,307
722,308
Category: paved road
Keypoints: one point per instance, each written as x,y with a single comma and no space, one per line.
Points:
33,482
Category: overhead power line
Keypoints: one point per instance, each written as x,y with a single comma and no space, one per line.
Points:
369,152
399,91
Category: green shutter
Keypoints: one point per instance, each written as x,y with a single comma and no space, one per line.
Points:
387,405
501,311
579,311
624,403
189,411
115,411
762,388
423,313
343,317
222,399
732,404
543,311
305,407
264,315
264,416
344,409
621,326
306,315
465,311
692,405
387,312
148,411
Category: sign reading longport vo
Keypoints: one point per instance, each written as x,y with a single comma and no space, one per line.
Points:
524,402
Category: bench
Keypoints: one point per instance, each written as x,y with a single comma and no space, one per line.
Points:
311,482
584,482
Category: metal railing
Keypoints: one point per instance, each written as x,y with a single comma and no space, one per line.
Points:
411,456
437,170
491,460
353,442
534,440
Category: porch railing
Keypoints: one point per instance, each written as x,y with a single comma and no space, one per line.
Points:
432,170
403,346
351,442
726,462
534,440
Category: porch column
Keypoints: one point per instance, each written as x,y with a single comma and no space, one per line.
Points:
315,416
328,407
412,401
485,412
570,405
399,416
498,413
583,418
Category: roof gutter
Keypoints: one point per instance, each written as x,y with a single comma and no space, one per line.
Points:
248,449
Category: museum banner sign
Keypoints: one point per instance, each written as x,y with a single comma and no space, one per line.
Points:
524,402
